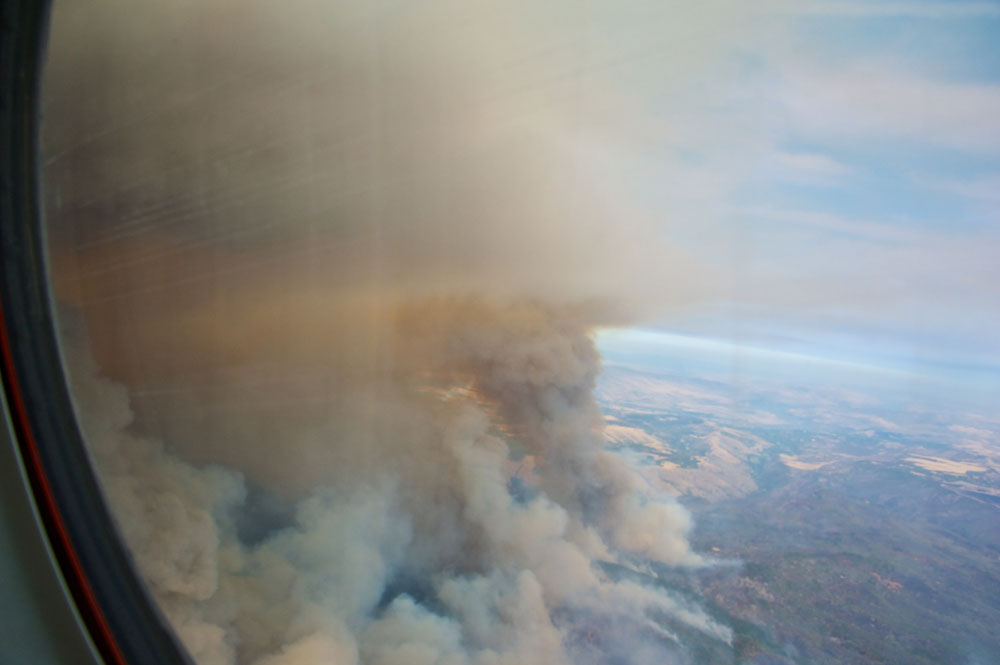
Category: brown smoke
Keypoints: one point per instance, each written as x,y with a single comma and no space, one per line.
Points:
350,257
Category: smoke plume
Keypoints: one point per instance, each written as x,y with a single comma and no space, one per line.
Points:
330,274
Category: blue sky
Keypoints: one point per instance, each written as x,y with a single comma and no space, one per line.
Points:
838,177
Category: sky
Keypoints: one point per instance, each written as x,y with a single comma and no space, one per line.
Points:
836,176
816,176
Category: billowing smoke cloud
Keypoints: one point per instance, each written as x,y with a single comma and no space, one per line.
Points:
336,269
418,544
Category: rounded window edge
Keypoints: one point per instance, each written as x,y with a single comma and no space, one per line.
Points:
123,623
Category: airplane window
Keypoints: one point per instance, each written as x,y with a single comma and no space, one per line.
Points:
530,332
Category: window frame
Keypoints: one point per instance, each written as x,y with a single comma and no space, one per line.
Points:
124,624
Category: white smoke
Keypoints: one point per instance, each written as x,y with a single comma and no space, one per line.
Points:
479,575
314,591
338,267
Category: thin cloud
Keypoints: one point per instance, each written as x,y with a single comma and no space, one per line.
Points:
812,168
928,10
817,220
878,103
983,188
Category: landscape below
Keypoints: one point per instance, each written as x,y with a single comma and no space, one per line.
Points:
847,523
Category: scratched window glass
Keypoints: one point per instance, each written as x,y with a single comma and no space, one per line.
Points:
486,333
